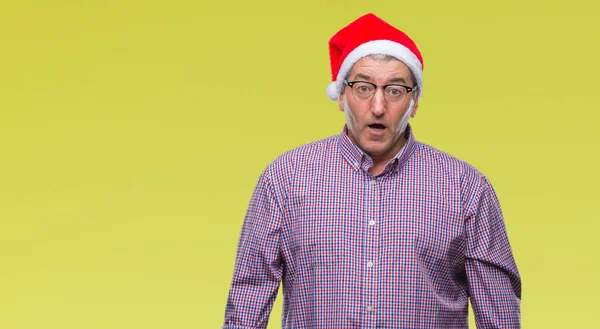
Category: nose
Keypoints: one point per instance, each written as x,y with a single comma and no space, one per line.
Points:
378,103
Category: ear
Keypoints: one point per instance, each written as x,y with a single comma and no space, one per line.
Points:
415,108
341,102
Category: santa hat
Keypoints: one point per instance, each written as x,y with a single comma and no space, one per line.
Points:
365,36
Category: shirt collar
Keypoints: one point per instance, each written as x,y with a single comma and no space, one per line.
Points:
359,160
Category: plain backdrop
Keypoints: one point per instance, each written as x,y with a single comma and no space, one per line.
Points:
132,134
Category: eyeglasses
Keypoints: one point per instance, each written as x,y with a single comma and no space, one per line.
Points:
392,93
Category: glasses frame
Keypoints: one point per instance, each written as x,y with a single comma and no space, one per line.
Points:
351,83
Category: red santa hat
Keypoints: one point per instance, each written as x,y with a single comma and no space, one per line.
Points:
365,36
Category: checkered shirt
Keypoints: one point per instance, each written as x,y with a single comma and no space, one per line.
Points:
407,248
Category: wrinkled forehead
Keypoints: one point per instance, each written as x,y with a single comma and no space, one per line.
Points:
380,68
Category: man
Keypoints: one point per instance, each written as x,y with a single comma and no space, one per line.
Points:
372,229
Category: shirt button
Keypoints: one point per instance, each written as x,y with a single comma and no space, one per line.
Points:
369,308
356,164
371,222
370,264
373,182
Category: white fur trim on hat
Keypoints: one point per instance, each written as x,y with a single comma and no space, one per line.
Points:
385,47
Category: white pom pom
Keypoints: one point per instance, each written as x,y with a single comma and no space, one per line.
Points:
333,91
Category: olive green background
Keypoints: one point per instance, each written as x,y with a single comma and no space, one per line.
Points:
132,134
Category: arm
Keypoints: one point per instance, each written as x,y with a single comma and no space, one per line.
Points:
494,282
258,268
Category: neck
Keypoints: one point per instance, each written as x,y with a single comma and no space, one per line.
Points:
381,160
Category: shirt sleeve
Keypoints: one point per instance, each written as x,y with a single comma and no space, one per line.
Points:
258,268
493,278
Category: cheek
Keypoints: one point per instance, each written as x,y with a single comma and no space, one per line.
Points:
357,118
404,113
359,111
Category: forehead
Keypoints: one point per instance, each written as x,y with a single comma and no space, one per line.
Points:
380,69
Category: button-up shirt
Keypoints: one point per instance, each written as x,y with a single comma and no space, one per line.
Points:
406,248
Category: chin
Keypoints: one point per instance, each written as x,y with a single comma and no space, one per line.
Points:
374,148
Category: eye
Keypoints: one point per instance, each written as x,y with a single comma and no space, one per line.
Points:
395,91
362,89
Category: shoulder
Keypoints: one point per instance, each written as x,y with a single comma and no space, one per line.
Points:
445,163
304,155
282,171
469,182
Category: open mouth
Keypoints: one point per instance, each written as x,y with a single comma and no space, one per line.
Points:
376,126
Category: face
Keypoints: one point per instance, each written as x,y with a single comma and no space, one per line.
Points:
376,126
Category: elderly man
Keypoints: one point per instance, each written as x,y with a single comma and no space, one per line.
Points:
371,228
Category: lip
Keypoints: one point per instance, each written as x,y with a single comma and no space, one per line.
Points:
376,132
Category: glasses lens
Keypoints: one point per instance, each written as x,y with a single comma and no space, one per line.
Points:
363,91
394,94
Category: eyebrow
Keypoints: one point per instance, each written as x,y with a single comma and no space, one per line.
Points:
362,76
365,77
398,79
